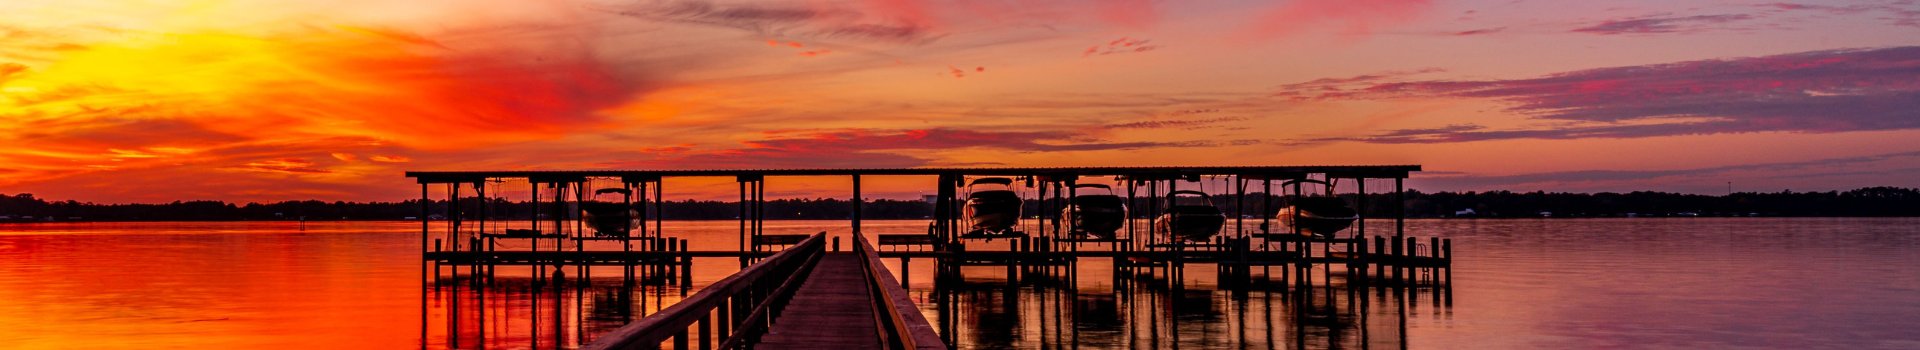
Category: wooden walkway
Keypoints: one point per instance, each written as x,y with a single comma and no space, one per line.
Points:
803,297
831,311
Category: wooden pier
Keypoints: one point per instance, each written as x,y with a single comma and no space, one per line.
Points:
793,291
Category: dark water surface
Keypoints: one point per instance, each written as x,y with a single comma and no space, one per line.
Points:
1762,283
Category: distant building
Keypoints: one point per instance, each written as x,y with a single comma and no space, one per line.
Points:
1468,212
930,198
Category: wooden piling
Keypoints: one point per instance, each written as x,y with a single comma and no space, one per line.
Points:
686,269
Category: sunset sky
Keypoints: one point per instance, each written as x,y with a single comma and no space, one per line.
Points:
261,100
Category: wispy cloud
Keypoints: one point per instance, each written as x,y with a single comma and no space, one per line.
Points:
1659,24
786,21
1901,13
1479,31
283,166
1333,88
1183,124
1122,45
1813,92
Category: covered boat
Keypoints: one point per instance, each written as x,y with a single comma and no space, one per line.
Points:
1095,215
608,218
1190,216
1317,216
993,211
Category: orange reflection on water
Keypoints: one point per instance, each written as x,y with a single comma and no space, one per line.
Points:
148,285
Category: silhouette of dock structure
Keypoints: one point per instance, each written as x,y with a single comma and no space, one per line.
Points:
800,291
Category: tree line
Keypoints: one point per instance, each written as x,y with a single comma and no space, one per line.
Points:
1871,201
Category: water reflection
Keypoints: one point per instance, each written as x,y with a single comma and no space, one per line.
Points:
516,307
1260,311
1754,283
1095,307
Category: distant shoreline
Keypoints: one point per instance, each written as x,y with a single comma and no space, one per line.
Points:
1863,202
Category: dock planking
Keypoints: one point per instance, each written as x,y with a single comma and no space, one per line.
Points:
832,310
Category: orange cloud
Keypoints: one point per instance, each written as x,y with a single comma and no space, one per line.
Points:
216,97
396,35
282,166
390,159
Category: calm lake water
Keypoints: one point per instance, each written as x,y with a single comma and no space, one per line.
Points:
1760,283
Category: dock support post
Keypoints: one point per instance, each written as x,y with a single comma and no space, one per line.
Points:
856,204
1013,264
744,241
1399,208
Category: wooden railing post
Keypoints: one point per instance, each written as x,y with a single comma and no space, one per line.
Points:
706,332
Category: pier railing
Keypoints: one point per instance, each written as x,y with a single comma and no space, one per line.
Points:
742,306
892,330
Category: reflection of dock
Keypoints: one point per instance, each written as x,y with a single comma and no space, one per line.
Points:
789,280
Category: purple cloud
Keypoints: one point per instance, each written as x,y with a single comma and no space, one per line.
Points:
1658,24
1810,92
1900,16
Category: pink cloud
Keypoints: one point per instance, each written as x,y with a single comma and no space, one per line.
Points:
1136,14
1121,45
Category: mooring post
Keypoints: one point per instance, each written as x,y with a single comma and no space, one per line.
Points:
1379,258
686,268
1446,245
1395,257
1412,251
1433,249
